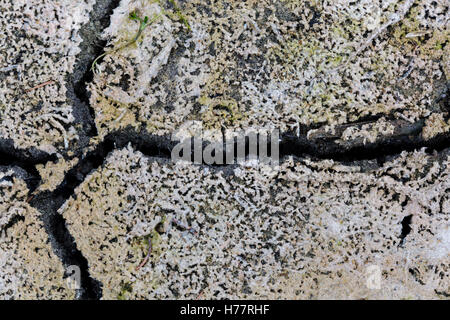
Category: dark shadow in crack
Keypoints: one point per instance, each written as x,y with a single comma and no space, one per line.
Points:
64,245
381,150
406,229
76,83
27,159
78,96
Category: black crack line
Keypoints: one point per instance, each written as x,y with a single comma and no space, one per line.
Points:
300,147
382,150
161,147
27,159
92,46
48,203
64,245
391,116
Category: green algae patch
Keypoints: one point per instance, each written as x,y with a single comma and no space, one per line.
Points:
220,113
126,289
412,34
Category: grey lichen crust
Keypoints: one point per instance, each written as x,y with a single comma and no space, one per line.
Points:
28,267
38,47
273,64
305,229
352,74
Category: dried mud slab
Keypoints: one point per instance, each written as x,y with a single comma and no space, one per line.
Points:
365,71
85,148
38,49
304,229
28,267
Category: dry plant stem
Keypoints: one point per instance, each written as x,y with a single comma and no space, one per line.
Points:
147,257
30,198
40,85
200,295
141,29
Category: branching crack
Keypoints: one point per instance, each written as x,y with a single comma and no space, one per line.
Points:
48,203
27,159
92,46
298,144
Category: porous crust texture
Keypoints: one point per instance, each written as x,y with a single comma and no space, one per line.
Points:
28,267
38,50
304,230
89,139
243,65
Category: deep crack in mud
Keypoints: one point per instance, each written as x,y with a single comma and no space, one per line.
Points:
27,159
48,203
91,47
291,144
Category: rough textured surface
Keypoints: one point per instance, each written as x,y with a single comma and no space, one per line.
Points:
305,230
273,64
28,267
342,82
39,44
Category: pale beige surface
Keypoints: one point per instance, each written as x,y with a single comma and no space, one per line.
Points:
305,230
28,267
38,45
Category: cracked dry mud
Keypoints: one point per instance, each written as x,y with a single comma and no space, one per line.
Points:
359,93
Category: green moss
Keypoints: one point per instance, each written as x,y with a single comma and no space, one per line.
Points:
143,23
156,243
114,114
179,14
223,112
295,54
204,100
428,46
141,244
126,289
